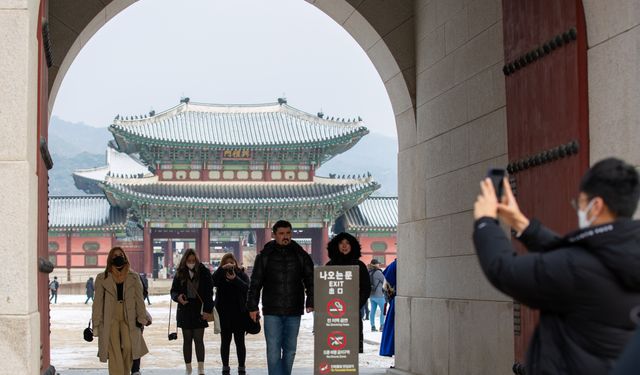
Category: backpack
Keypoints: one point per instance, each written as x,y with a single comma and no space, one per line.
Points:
371,273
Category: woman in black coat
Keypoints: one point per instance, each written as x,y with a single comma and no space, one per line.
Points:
193,290
344,250
231,296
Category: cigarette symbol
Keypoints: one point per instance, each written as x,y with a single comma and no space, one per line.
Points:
336,340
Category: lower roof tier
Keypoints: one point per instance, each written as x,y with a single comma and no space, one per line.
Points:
322,191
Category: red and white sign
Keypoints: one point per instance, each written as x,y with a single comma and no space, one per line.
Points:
324,368
336,308
337,340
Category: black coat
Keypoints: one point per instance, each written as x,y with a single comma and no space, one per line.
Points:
351,259
231,298
188,316
283,275
585,285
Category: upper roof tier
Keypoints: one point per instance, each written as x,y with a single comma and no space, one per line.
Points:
119,165
274,125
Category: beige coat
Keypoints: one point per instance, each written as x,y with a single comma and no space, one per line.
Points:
105,301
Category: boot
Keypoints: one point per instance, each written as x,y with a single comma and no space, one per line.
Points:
226,370
200,368
373,328
188,369
242,371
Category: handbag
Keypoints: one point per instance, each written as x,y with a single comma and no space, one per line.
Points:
251,326
88,333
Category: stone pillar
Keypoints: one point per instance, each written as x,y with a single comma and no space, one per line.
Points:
147,253
204,252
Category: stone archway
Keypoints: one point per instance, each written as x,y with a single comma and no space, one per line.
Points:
455,57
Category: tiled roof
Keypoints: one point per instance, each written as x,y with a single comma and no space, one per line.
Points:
119,164
322,190
85,212
374,213
273,124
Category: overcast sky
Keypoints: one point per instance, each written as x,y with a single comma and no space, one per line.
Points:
214,51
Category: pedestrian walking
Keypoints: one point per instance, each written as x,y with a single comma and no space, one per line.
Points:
145,286
192,289
89,290
376,281
231,285
345,250
387,343
118,313
585,284
53,288
283,273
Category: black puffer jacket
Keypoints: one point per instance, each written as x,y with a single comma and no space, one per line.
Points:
586,286
283,275
351,259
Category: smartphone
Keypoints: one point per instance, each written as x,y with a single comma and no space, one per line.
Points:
497,177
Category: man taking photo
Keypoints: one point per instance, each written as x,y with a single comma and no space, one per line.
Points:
585,284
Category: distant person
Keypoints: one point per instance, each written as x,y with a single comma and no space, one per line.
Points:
145,286
387,344
89,290
585,284
192,288
344,250
283,273
231,285
376,281
53,288
118,314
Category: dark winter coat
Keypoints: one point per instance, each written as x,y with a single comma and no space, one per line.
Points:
283,275
188,316
585,285
231,297
351,259
89,288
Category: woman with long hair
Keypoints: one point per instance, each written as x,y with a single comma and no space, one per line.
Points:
119,314
192,289
231,296
344,250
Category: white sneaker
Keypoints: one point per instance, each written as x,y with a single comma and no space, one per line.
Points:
136,373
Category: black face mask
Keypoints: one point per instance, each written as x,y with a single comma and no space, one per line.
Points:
119,261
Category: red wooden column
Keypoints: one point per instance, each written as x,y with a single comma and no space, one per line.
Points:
147,252
169,256
262,237
319,241
237,251
113,240
204,243
68,254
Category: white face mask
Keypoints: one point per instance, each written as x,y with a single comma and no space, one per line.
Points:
583,221
191,265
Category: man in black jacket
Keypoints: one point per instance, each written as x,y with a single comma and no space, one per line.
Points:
585,284
283,272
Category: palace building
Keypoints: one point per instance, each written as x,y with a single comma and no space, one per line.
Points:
217,177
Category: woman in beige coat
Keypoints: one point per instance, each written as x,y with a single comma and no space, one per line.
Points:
118,314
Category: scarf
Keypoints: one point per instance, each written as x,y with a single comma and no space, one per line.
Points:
119,276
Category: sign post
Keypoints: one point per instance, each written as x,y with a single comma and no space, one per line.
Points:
336,316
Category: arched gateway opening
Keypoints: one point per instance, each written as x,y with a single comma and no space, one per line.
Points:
200,235
443,63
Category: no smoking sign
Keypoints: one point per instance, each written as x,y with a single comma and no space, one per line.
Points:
336,308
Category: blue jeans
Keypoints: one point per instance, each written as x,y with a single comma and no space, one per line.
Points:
281,334
376,302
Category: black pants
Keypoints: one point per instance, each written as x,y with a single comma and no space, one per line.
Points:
135,367
193,336
225,345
